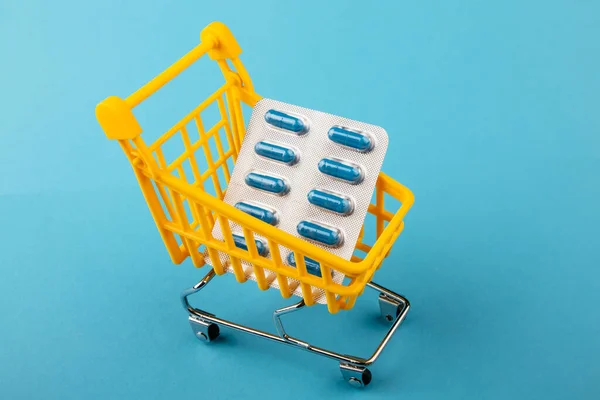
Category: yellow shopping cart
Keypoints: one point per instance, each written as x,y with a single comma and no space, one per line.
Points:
185,207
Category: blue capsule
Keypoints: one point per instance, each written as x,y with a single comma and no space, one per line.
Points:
276,152
264,214
349,138
240,242
267,183
331,201
285,121
312,267
343,170
323,234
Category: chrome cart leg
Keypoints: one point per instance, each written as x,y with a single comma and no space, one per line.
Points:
394,308
356,376
390,307
205,331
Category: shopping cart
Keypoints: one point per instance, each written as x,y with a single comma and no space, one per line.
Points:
185,206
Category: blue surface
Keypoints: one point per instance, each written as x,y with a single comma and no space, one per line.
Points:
492,111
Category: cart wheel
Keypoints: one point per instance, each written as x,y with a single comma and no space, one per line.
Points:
356,376
205,331
390,309
213,332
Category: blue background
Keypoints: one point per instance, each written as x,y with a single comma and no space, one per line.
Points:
492,111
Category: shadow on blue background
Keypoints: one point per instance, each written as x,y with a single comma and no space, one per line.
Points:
492,112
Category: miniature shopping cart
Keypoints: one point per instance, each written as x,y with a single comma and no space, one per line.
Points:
185,209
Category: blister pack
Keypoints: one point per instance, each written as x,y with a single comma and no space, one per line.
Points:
308,173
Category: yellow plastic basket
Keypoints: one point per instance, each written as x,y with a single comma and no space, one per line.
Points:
170,193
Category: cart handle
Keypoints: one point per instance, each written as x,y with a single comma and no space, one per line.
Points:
171,72
115,114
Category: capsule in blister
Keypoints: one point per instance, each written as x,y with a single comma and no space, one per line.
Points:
240,242
312,267
324,234
285,121
267,183
265,214
331,201
276,152
354,139
343,170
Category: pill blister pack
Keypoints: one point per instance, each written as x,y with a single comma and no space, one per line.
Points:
308,173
